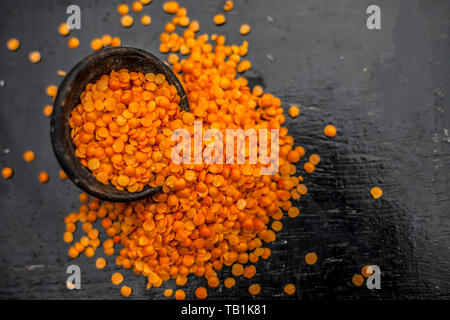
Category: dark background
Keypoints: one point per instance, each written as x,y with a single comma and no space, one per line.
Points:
393,122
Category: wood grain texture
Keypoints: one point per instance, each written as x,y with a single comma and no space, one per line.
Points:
393,123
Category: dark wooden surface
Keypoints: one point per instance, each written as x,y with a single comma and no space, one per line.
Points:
393,123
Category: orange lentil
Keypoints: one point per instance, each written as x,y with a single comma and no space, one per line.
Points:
219,19
243,66
63,29
213,282
48,110
293,212
244,29
62,175
73,43
71,227
106,40
44,177
180,294
96,44
367,271
117,278
314,159
311,258
249,272
294,111
52,90
13,44
29,156
330,131
254,289
376,192
84,197
237,269
116,42
201,293
168,293
7,172
35,56
277,226
229,282
100,263
293,156
171,7
289,289
358,280
146,20
123,9
309,167
89,252
126,291
68,237
137,6
126,21
73,253
228,6
93,234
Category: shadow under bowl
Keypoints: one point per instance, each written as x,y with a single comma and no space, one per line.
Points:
88,70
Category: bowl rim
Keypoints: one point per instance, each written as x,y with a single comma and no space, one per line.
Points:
64,156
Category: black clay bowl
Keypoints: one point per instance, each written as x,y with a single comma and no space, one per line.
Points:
87,71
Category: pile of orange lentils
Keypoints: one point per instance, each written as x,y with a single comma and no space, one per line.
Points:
208,216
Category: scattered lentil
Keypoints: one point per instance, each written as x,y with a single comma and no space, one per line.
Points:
63,29
376,192
168,293
106,40
44,177
100,263
146,20
35,56
117,278
367,271
123,9
125,291
289,289
29,156
229,5
229,282
126,21
311,258
357,280
73,43
96,44
330,131
62,175
219,19
13,44
294,111
201,293
254,289
244,29
180,294
137,6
